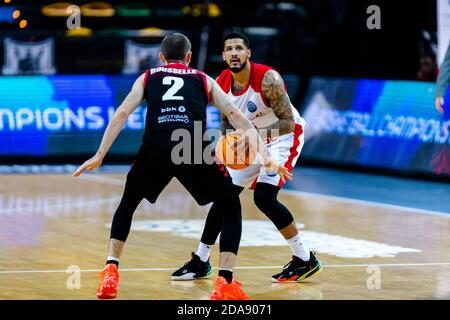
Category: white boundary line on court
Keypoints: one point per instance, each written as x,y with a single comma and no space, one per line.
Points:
429,264
120,182
62,205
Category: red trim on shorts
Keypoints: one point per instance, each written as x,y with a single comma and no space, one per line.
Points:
253,186
293,150
146,77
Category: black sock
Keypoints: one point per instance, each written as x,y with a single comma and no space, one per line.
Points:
228,275
113,261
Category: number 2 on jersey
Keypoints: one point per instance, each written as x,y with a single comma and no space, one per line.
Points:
178,83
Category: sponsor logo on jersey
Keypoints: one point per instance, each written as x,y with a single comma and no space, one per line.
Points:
181,109
251,106
169,109
173,118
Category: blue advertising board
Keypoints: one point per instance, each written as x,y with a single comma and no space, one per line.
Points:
377,123
66,115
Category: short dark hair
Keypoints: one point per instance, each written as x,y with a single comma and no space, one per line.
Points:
175,46
237,35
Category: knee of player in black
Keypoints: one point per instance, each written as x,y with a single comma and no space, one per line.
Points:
265,198
121,224
214,221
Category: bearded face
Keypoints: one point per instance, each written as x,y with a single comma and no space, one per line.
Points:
235,54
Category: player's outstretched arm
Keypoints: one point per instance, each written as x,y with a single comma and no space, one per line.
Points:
225,124
239,121
274,91
128,106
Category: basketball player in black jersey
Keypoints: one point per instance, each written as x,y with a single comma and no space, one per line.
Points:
176,98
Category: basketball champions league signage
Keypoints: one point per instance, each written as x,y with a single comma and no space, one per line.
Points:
67,109
377,123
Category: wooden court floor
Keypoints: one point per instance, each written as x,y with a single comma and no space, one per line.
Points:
54,234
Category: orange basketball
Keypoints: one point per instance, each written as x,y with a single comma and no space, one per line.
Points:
227,153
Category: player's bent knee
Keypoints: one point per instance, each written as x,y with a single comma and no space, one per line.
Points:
266,201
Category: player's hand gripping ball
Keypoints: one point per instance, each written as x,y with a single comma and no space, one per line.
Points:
235,151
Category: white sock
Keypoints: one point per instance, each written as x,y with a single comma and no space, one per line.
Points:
203,251
111,258
298,248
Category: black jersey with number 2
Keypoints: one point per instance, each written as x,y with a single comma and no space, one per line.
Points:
176,96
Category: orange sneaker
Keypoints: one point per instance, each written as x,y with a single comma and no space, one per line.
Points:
227,291
109,282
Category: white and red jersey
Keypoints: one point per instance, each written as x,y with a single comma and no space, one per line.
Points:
251,100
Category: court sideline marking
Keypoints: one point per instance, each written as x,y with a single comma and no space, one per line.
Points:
68,270
77,203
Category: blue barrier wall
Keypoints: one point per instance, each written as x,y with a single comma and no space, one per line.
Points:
66,115
370,123
377,123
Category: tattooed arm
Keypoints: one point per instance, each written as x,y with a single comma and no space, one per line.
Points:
274,92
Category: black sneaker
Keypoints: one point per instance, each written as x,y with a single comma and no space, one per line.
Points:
298,270
193,269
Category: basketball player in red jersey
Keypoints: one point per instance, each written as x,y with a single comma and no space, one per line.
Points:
177,97
260,93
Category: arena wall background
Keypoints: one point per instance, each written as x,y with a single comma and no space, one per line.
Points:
390,126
